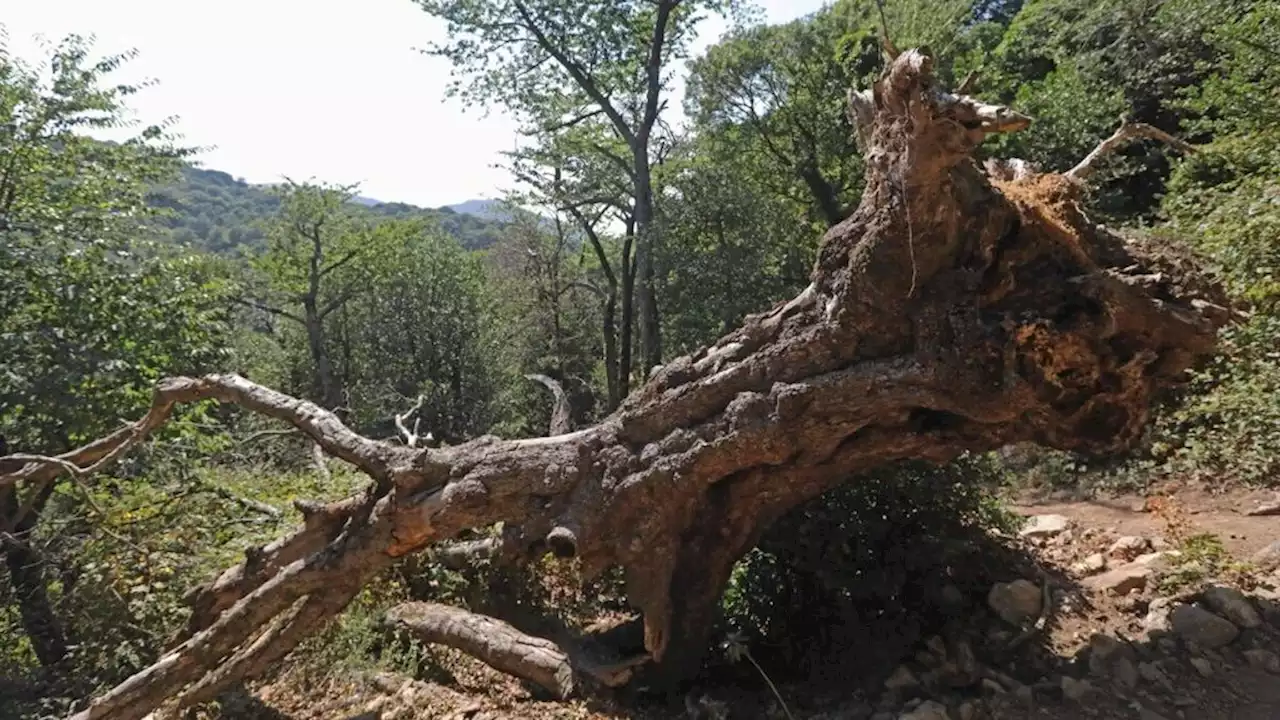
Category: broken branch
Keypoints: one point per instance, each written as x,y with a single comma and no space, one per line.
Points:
1127,132
561,417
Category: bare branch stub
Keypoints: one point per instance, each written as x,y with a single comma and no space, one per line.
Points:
949,313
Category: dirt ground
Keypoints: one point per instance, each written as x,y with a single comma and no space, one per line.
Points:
1093,656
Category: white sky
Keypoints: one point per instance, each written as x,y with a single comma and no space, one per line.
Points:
305,88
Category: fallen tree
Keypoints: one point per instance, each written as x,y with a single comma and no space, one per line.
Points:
950,313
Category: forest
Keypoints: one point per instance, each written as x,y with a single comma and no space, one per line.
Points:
718,377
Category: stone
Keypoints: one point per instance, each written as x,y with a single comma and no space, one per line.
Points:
1129,547
1125,673
1263,660
928,710
991,687
1091,565
1016,602
1121,581
1202,666
969,710
1111,658
1044,526
1265,509
1232,605
1159,561
1152,673
902,679
1197,625
951,599
1268,558
1268,605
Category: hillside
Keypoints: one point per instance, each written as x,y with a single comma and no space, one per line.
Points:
214,211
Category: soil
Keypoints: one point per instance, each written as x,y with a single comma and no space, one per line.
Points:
1036,673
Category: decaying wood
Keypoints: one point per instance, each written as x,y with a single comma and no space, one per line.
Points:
950,313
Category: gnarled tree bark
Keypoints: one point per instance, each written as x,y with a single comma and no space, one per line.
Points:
949,313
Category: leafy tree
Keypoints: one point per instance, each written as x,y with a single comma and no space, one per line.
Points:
734,246
417,329
584,190
316,260
557,63
92,318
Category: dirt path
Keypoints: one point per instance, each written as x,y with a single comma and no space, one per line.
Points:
1222,514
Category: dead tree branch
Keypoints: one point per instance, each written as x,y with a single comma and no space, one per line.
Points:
413,438
948,314
1127,132
557,669
561,416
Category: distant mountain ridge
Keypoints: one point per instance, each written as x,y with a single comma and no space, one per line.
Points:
213,211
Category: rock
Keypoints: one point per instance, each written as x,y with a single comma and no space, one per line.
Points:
1075,689
991,687
951,599
1110,658
902,679
1263,660
1202,666
1044,526
1016,602
1156,621
928,710
937,646
1129,547
1125,672
1091,565
1268,607
1152,673
1265,509
969,710
1268,558
1202,627
1159,544
1233,605
1159,561
1121,581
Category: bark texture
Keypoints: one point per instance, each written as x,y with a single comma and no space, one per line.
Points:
948,313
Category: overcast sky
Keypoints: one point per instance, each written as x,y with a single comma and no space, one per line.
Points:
306,88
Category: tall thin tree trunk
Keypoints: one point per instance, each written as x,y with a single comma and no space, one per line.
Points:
646,295
26,575
327,382
611,349
628,311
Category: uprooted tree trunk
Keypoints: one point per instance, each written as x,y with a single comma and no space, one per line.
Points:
947,314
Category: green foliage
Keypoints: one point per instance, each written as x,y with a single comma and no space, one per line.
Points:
887,540
733,247
538,75
418,328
